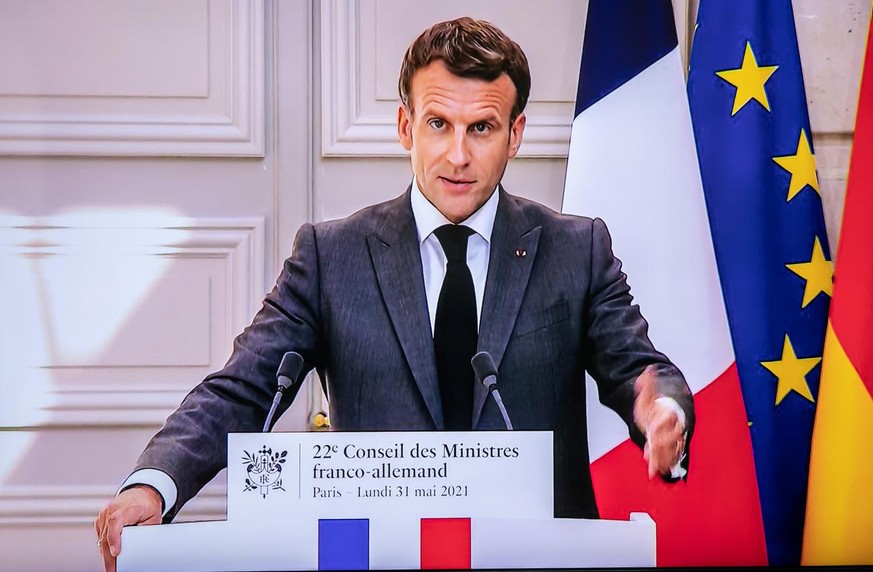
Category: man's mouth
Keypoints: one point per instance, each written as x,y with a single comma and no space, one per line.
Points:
458,182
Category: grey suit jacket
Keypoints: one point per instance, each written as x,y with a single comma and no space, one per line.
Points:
351,300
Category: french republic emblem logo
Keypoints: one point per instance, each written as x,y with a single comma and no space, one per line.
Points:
264,470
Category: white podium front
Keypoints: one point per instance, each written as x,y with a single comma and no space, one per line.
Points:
310,501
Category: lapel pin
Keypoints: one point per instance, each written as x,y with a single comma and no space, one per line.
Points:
521,253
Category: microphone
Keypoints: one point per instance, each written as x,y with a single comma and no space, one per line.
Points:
486,373
289,370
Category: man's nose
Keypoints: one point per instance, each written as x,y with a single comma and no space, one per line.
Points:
459,152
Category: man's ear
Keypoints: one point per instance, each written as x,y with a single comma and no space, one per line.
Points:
404,127
516,132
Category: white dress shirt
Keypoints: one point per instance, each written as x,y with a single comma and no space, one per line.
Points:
433,257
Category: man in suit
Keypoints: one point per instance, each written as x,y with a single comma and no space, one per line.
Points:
390,304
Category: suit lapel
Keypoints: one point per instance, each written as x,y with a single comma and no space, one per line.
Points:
396,258
513,250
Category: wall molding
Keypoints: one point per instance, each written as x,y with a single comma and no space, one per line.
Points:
133,395
228,122
53,505
354,123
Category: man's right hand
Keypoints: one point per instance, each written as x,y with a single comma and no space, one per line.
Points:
665,433
140,504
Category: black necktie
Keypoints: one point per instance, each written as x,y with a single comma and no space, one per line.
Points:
455,331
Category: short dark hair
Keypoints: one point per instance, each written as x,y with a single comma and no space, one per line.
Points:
468,48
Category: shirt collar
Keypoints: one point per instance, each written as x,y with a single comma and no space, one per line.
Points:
428,218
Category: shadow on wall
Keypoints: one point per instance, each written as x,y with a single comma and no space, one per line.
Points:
109,319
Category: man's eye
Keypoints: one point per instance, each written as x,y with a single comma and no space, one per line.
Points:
437,123
481,127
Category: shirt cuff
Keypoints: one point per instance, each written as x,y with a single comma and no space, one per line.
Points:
158,480
671,403
677,471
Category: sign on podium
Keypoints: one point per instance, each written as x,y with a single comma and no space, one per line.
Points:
389,500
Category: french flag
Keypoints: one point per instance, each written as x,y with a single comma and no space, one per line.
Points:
633,163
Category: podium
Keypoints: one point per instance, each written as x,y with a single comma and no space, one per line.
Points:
407,500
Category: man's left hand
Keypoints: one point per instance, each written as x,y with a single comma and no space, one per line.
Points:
665,433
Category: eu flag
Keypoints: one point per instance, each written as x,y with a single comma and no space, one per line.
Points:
757,164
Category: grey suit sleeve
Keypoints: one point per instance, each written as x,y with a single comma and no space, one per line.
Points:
191,447
618,337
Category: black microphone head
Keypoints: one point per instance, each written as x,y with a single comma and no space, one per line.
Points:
484,368
289,369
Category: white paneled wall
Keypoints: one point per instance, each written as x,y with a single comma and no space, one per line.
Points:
156,160
141,77
149,305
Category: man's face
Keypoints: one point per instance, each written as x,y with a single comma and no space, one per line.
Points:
458,133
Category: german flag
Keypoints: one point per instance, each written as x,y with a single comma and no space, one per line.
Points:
839,514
